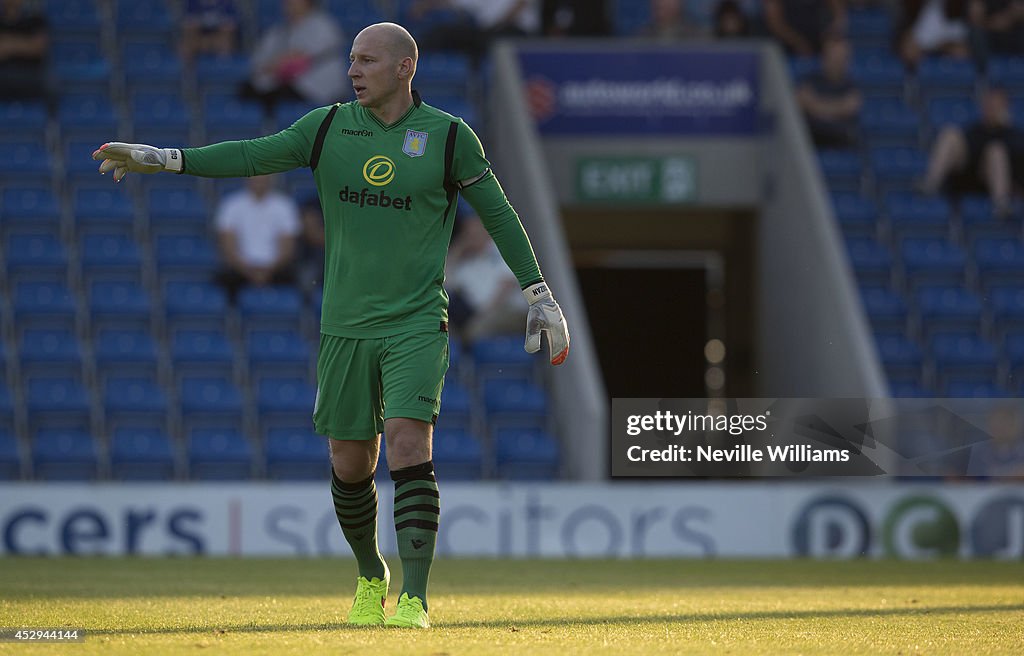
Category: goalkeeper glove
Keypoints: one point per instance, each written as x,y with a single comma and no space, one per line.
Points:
545,317
138,158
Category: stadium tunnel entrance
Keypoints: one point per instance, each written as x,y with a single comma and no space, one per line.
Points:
670,297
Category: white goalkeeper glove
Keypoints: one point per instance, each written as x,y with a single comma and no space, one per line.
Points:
545,317
138,158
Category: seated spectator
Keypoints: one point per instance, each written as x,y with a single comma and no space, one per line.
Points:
485,297
300,59
730,20
997,29
932,27
800,25
830,100
987,156
257,232
471,25
575,18
669,22
208,27
24,44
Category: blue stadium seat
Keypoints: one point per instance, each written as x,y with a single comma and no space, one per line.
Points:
21,117
44,303
202,353
1008,73
149,65
801,67
87,114
10,456
1007,306
136,402
886,309
897,168
964,356
177,207
1013,347
143,17
228,112
221,73
503,355
968,389
514,403
842,169
25,163
156,110
900,356
456,407
103,207
889,122
296,453
871,261
946,76
857,215
980,221
354,16
914,215
284,402
6,407
933,261
118,304
73,17
194,305
79,64
277,353
948,309
869,25
141,454
107,255
79,166
960,112
905,389
48,351
219,455
878,72
442,72
263,308
286,113
999,261
38,256
526,455
124,353
37,207
186,255
64,455
457,455
209,402
57,403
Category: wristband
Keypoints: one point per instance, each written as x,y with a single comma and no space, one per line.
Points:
536,292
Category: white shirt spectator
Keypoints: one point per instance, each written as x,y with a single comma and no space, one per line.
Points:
258,224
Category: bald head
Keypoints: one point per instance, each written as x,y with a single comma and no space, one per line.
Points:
393,38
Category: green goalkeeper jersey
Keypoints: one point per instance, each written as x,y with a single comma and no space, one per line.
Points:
388,212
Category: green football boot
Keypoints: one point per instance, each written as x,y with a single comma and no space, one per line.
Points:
368,606
410,613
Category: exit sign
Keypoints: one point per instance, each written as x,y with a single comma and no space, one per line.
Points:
645,180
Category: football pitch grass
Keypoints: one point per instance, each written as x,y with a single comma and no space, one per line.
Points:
263,606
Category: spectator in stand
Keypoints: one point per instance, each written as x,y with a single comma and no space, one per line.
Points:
730,21
669,22
996,28
208,27
830,100
471,25
932,27
486,297
987,156
299,59
257,231
575,18
800,25
24,45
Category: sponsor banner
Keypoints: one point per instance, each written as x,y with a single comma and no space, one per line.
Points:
643,91
817,437
636,180
564,520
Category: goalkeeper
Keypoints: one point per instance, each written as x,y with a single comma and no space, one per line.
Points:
388,170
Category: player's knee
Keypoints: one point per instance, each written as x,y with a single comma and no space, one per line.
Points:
353,461
408,443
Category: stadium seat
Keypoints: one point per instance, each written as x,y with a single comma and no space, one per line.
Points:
503,356
1008,73
878,72
103,208
222,74
73,17
980,221
514,403
1013,347
277,353
843,169
897,168
34,207
177,206
270,308
202,353
905,389
219,455
999,261
6,408
526,455
947,309
85,114
900,356
933,261
79,65
296,453
869,26
117,304
889,122
1006,304
209,402
964,356
886,309
64,455
143,17
914,215
21,117
960,112
857,215
149,65
107,255
442,73
284,402
10,456
50,352
44,304
39,256
456,407
190,256
226,112
946,76
457,455
25,163
125,353
871,261
136,402
967,389
156,110
141,454
194,305
57,403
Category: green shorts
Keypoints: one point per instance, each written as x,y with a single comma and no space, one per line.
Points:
362,382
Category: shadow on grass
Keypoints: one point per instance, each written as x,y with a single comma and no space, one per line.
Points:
610,620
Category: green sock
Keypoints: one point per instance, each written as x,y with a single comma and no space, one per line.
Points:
356,507
417,508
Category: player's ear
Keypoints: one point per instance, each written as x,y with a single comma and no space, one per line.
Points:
405,68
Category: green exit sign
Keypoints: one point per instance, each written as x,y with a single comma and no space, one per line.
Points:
647,180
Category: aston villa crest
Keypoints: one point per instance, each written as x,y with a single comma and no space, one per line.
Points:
415,143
